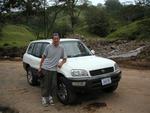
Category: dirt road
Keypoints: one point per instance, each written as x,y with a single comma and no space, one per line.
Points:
132,95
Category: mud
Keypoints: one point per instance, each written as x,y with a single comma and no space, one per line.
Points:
4,109
92,107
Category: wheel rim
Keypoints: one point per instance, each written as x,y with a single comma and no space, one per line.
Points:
62,92
29,76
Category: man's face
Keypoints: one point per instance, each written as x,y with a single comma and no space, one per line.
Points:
56,40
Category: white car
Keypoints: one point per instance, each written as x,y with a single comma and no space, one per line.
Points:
83,71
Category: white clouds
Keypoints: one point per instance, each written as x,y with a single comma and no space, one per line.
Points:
95,2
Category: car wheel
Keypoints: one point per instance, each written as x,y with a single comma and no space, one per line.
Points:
32,79
64,93
111,88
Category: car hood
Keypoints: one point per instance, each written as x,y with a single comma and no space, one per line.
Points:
88,63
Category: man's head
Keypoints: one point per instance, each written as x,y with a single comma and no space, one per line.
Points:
56,39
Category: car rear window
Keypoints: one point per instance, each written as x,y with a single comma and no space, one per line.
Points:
36,49
30,49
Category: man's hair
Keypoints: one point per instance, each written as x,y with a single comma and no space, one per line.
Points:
55,34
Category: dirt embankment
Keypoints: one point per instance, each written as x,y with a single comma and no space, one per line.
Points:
128,53
11,52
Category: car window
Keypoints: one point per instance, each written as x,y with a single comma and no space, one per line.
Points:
37,49
30,48
75,49
44,45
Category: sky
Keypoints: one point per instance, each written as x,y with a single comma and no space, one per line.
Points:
94,2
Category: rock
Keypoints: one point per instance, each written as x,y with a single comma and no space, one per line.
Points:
131,54
113,47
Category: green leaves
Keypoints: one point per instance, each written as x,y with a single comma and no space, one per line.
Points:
97,21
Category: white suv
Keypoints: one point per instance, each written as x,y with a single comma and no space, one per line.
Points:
82,72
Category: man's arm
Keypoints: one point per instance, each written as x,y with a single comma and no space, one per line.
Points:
62,62
41,62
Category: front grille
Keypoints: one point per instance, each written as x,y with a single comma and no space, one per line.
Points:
101,71
97,83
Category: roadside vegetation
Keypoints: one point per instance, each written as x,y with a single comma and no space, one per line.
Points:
23,21
15,35
136,30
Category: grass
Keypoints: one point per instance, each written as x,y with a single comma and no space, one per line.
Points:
15,35
82,30
136,30
20,35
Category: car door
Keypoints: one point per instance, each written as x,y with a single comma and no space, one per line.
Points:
28,57
37,53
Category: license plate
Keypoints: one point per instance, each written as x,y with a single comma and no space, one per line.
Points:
106,81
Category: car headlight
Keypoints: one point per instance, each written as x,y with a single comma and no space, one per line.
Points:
79,73
116,67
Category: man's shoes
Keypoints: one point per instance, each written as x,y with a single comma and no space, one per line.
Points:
44,102
51,102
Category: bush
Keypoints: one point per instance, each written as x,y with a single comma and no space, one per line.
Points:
63,28
136,30
143,28
97,21
1,27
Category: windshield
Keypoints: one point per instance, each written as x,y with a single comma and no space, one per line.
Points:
75,49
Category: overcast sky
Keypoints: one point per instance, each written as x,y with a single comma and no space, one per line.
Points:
94,2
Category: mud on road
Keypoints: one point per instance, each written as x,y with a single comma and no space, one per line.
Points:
132,95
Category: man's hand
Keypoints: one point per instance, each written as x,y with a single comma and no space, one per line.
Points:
39,70
59,65
40,74
41,62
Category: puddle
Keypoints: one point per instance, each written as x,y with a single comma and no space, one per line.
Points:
97,104
4,109
94,106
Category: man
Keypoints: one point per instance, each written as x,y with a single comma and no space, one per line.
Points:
48,67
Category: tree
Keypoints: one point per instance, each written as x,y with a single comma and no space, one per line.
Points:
1,6
51,14
113,8
113,5
97,21
7,5
134,12
142,2
72,10
32,7
29,7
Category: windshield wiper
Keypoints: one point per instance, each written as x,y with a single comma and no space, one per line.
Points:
70,56
85,54
77,55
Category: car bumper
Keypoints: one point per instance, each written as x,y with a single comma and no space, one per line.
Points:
95,83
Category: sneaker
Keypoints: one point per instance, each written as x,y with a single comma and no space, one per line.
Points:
51,102
44,102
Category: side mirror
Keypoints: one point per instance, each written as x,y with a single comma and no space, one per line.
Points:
93,52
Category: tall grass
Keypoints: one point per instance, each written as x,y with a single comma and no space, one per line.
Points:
15,35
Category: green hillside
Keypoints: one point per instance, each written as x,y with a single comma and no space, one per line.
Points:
19,35
136,30
15,35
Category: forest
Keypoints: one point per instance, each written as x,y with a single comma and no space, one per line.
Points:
25,20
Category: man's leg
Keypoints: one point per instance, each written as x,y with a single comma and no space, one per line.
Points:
54,83
44,86
52,86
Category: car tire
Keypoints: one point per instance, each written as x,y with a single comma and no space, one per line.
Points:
111,88
31,78
64,93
